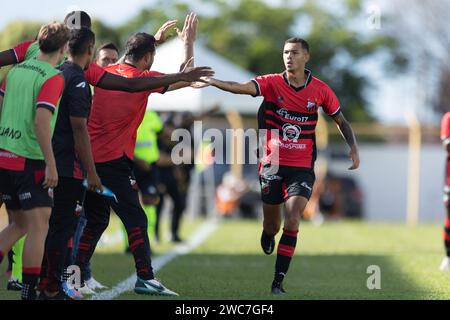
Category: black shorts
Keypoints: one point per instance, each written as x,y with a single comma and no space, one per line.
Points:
23,189
147,181
277,187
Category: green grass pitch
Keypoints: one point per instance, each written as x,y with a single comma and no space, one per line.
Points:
330,263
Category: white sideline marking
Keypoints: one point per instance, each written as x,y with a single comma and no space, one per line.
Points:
200,235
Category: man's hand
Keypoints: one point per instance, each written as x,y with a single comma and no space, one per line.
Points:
199,85
162,34
195,74
94,182
51,177
189,32
354,156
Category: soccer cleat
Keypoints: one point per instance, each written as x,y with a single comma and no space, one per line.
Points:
267,243
85,290
72,293
152,287
277,287
94,284
445,264
14,285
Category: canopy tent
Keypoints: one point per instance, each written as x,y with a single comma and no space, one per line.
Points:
168,59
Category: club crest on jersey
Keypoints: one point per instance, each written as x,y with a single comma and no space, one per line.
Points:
291,132
311,106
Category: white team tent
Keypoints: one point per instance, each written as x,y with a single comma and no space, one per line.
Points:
168,59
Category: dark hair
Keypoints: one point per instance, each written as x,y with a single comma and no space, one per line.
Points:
109,45
52,37
77,20
80,40
303,42
138,45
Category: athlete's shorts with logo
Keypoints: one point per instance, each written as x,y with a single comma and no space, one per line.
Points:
23,189
280,183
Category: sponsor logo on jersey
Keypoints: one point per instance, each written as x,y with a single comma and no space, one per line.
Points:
291,132
285,114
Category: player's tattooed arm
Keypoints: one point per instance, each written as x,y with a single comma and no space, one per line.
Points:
347,132
7,58
233,87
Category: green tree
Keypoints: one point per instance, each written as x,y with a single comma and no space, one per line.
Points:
251,33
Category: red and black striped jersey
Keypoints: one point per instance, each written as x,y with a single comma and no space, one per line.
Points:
289,114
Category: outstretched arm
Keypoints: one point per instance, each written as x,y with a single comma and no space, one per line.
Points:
7,58
233,87
347,132
114,82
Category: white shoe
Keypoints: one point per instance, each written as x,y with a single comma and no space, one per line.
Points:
85,290
94,284
445,264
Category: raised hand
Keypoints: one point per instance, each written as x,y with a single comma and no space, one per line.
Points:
162,34
189,32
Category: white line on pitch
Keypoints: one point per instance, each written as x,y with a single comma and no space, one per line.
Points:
200,235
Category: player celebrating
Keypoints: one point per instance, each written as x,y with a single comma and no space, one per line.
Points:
95,74
289,114
113,123
28,171
445,137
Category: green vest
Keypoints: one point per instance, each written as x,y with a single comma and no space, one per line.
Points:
146,141
33,52
23,84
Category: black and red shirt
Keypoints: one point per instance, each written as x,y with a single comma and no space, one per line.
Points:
75,102
445,135
290,114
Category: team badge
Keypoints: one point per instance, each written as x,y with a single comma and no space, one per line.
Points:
311,106
291,132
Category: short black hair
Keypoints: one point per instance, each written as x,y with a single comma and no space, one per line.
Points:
138,45
302,41
108,45
77,20
80,40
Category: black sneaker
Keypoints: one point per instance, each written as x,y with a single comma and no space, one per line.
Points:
14,285
277,287
267,243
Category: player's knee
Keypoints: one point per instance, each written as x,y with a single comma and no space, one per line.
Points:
272,227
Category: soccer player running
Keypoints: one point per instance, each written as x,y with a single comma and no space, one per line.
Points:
445,137
289,114
112,125
74,162
28,173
